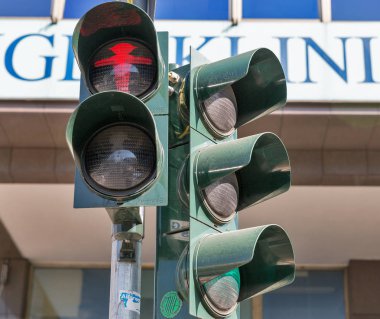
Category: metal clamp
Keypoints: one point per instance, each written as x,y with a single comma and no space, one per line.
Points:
128,227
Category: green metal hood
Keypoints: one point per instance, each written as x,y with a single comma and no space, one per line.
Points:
257,80
260,162
263,255
111,21
107,108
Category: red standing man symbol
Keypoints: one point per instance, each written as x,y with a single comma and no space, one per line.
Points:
122,63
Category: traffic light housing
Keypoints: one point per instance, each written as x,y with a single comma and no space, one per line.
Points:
229,93
233,266
118,135
211,264
117,48
228,175
233,175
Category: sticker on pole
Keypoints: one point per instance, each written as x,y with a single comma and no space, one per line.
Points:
170,305
130,299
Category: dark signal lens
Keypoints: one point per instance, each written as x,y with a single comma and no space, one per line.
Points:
120,158
222,198
123,65
220,111
223,292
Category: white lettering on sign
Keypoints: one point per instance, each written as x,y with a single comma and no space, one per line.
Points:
322,62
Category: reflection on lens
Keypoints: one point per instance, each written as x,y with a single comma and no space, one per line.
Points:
123,65
220,111
222,197
223,291
120,157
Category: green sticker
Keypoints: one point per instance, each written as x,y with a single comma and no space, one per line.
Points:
170,305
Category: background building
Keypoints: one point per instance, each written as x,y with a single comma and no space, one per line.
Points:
58,258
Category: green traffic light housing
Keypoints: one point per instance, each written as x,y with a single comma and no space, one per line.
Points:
118,134
234,175
232,92
117,48
222,265
116,145
233,266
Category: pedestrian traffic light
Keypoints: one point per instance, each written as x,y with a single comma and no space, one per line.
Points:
118,134
217,176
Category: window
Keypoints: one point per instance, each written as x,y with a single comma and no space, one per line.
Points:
80,293
355,10
313,295
165,9
84,294
25,8
280,9
75,9
192,10
69,294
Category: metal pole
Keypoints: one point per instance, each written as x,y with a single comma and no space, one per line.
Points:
236,11
127,235
149,6
125,290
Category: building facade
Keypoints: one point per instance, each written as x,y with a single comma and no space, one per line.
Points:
54,260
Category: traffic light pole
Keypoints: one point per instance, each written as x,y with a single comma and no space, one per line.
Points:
149,6
127,235
125,286
118,134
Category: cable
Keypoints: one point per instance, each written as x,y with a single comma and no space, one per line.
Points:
4,275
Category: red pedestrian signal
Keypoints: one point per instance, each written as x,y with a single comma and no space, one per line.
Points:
118,133
124,65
